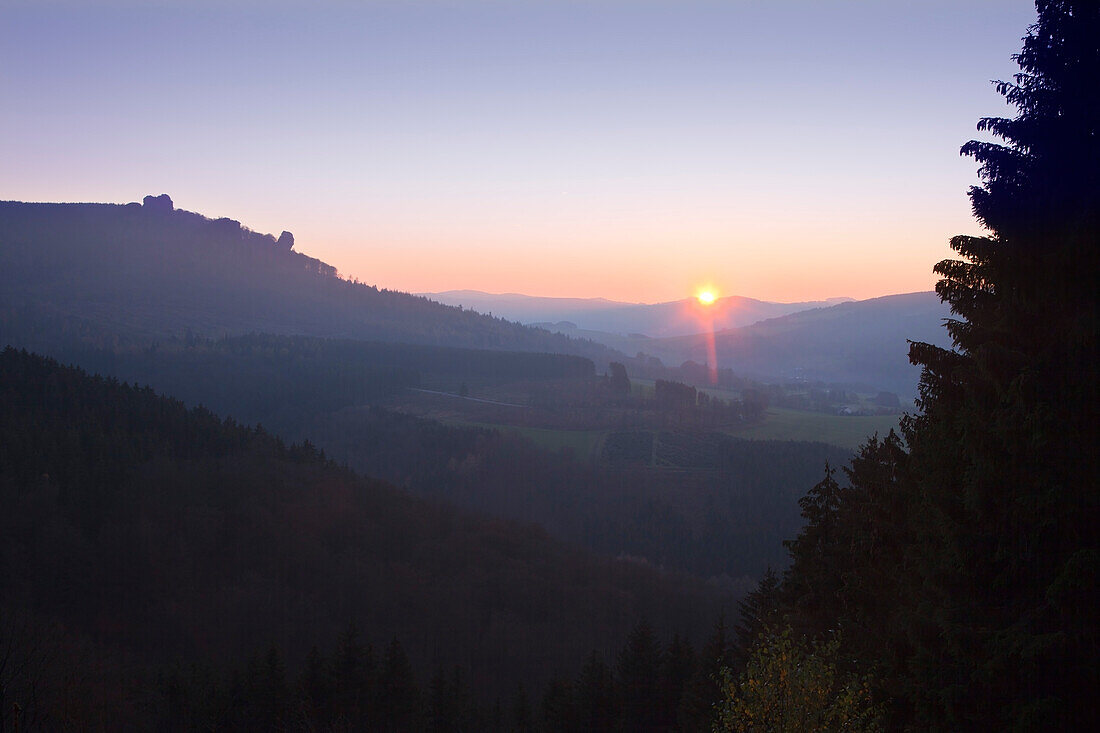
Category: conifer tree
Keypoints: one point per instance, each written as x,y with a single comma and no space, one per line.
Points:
353,674
963,573
559,706
449,704
521,711
636,674
595,695
1005,450
703,690
677,669
759,610
399,696
265,694
315,689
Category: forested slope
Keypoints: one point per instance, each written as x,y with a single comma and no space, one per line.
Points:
162,533
725,512
284,382
104,270
715,506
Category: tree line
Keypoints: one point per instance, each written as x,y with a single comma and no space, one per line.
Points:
646,686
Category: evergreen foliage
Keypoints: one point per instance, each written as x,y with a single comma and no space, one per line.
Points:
399,696
636,676
703,690
1005,450
961,565
758,610
155,536
595,694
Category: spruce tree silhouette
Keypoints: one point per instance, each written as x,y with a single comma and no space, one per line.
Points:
1005,451
963,573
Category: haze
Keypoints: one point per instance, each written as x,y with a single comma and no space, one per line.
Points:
784,151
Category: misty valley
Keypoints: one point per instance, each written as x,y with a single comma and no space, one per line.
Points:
588,500
242,490
323,505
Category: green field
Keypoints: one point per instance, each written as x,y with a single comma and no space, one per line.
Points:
847,431
583,443
779,424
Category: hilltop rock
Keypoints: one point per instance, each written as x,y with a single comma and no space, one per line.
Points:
286,241
159,204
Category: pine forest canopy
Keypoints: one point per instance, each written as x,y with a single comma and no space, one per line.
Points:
154,534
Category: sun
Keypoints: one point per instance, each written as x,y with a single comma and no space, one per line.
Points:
706,297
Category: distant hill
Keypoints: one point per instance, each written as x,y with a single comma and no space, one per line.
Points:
150,270
525,308
858,342
675,318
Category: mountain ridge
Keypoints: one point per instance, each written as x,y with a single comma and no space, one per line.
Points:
860,342
863,341
152,271
656,320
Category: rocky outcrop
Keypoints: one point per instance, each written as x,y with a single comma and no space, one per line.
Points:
158,204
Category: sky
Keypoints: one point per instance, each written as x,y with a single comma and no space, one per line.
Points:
785,150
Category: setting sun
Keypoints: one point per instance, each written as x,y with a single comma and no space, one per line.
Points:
706,297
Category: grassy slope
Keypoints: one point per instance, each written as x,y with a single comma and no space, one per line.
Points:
846,431
583,443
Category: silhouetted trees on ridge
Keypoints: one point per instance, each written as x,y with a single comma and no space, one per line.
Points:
155,271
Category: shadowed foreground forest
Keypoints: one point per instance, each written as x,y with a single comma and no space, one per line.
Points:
148,534
955,567
165,565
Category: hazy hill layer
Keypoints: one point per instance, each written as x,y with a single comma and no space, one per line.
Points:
859,342
675,318
682,498
150,270
856,342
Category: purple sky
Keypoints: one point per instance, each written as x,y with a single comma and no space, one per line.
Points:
632,150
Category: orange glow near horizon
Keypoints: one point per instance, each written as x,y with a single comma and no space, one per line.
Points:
706,296
630,266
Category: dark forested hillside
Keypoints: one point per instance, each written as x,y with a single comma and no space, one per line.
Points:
153,271
160,533
712,504
722,512
285,382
